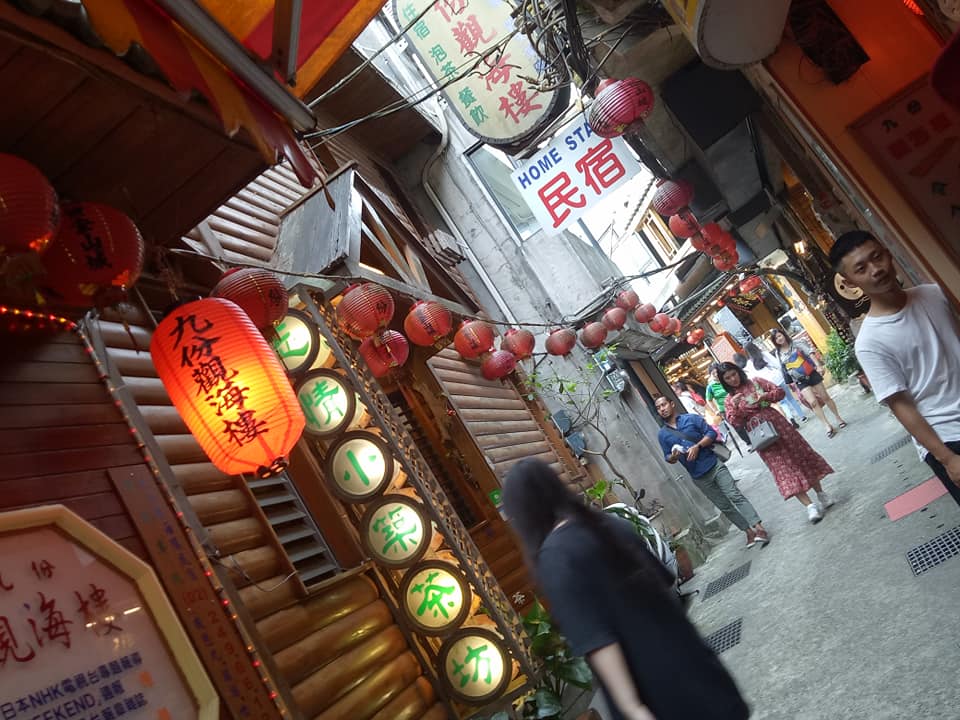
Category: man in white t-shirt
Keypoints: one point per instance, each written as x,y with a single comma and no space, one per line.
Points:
909,347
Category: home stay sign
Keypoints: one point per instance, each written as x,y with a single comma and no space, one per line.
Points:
499,100
573,174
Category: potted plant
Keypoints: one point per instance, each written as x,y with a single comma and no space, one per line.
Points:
562,673
840,359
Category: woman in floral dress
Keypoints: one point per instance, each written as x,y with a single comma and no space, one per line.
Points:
796,466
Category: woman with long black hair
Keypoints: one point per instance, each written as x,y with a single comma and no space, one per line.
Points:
614,603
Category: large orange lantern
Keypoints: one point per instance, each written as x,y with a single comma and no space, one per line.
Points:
228,386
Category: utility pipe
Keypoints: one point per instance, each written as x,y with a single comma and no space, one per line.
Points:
458,236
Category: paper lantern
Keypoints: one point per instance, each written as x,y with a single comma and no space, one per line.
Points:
384,352
476,667
684,225
698,334
498,364
645,313
691,339
365,309
672,196
29,212
628,300
358,466
675,326
228,386
435,597
474,338
593,335
520,342
396,531
750,284
614,318
660,323
427,322
724,263
619,106
259,293
717,240
561,341
97,251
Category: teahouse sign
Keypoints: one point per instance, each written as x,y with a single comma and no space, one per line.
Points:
86,631
498,101
574,173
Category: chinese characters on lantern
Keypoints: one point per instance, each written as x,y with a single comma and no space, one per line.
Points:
496,101
76,639
475,664
396,531
326,402
436,597
196,339
359,466
915,139
574,173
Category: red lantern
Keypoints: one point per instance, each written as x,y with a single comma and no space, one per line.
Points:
691,339
474,338
604,84
593,335
228,386
29,212
519,343
614,318
364,309
98,249
498,364
660,322
718,240
698,334
675,326
427,322
645,313
672,196
750,284
259,293
724,263
384,351
561,341
698,242
619,106
684,225
628,300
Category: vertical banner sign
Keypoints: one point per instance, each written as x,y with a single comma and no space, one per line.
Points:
914,138
499,101
573,174
81,637
219,644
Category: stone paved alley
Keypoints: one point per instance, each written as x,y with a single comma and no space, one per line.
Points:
834,623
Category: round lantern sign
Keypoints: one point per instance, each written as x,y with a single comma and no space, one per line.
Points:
476,665
359,466
327,403
297,342
436,597
396,531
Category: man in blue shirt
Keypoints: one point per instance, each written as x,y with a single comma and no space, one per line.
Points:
687,439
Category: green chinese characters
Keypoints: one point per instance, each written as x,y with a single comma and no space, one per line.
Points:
475,666
400,529
437,596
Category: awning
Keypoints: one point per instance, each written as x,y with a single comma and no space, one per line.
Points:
320,33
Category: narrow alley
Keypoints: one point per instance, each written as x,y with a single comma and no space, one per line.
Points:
833,623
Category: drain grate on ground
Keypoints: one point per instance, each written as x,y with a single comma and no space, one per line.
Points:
722,583
935,551
891,449
726,637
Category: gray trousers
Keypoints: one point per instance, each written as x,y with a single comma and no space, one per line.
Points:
718,485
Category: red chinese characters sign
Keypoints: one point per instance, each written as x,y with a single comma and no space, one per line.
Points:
915,139
477,38
574,173
80,639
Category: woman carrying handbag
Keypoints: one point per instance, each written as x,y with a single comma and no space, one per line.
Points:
796,466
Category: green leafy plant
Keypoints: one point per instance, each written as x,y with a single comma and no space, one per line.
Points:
562,672
840,358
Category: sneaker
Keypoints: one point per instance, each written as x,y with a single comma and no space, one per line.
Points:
796,425
762,538
813,513
751,538
824,500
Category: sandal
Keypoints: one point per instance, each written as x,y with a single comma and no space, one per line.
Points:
841,425
831,432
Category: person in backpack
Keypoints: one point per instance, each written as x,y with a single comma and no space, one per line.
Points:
802,370
688,439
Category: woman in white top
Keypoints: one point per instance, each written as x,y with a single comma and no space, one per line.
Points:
764,365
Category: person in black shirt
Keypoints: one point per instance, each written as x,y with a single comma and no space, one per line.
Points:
611,599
